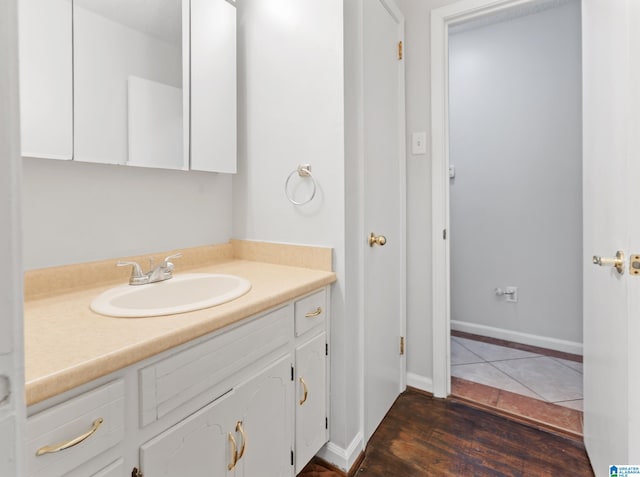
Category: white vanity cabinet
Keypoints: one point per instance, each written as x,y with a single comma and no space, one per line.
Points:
198,445
250,400
311,397
246,432
116,469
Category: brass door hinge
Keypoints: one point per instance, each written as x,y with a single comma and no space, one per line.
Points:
401,345
399,50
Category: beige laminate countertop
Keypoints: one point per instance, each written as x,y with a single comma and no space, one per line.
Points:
67,345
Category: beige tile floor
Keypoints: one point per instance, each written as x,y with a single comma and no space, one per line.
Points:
550,379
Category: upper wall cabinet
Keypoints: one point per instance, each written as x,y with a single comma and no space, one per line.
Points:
45,78
213,85
154,83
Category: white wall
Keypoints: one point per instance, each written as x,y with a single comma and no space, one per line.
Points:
516,201
77,212
291,110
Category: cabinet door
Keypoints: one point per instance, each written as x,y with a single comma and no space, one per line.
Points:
265,417
114,470
45,78
201,445
311,399
213,86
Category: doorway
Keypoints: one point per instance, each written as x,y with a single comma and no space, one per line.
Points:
516,197
512,100
610,116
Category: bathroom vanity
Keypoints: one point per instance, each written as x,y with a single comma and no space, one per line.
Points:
237,389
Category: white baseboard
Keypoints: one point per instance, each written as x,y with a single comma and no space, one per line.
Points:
518,337
420,382
343,458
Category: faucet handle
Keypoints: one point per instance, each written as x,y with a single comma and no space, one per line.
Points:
167,263
175,255
136,271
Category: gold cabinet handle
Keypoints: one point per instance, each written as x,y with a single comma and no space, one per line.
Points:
234,452
313,314
244,439
306,391
73,442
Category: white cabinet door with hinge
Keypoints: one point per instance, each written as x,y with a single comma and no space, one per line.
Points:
247,432
45,78
265,416
311,405
213,86
203,444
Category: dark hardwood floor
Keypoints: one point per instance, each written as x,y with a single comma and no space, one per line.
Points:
423,436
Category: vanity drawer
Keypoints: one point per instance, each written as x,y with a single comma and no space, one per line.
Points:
69,422
310,312
201,373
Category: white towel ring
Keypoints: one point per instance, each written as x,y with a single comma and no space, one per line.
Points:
303,170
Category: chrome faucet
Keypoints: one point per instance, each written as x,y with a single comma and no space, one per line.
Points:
162,272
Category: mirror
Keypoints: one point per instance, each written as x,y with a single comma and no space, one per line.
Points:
148,83
131,82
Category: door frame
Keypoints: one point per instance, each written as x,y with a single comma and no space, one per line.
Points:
441,19
393,10
12,406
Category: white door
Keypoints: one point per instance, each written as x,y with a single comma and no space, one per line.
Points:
12,408
611,121
384,209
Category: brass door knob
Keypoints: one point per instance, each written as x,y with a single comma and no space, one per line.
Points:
617,263
376,239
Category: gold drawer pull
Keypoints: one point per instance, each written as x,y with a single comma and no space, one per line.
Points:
234,452
306,391
244,438
313,314
73,442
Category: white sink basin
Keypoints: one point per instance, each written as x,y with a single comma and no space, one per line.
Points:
180,294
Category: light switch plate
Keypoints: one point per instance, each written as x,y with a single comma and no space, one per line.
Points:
419,143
